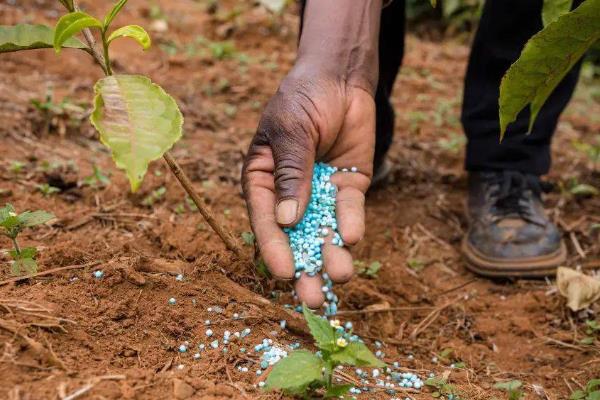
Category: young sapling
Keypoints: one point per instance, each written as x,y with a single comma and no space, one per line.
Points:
11,225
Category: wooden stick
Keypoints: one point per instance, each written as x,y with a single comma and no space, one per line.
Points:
48,272
187,186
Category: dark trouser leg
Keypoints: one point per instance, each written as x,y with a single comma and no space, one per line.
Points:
505,27
391,51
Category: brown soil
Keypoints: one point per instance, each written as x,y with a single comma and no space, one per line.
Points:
118,337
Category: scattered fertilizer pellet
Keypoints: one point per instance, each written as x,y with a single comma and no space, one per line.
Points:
183,348
282,323
172,301
261,384
179,278
209,332
197,356
99,274
214,344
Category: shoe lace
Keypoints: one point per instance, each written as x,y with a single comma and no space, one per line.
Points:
512,193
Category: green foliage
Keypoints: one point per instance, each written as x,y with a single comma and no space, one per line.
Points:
591,150
155,196
367,271
303,373
47,190
28,37
11,225
113,13
135,136
134,32
248,238
590,392
512,387
553,9
97,178
441,387
545,60
592,329
70,25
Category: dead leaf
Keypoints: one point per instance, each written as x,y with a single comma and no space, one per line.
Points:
580,290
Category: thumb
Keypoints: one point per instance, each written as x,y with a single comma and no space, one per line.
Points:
293,156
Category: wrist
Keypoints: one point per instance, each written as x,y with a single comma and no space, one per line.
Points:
340,38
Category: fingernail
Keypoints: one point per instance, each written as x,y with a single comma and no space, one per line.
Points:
287,210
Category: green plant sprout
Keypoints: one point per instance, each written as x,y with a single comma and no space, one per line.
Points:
96,179
58,116
442,388
137,120
592,329
590,392
307,374
12,224
513,388
155,196
47,190
365,270
591,150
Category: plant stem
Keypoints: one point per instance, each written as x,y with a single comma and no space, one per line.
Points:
16,244
183,179
187,186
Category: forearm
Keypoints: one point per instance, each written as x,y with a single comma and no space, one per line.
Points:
340,37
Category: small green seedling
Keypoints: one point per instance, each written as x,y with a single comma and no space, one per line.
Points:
59,115
513,388
248,238
592,329
307,374
16,166
441,388
47,190
11,225
369,271
590,392
96,179
591,150
155,196
415,264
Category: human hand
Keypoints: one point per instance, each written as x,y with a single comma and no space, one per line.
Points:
320,118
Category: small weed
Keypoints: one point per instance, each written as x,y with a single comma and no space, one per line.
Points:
592,329
12,225
367,271
96,179
47,190
513,388
155,196
442,388
590,392
415,264
453,144
591,150
308,374
573,188
248,238
16,167
59,116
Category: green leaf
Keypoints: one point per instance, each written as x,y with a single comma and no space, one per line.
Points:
248,238
24,261
509,386
577,395
545,60
113,13
7,211
295,372
137,120
592,385
34,218
593,395
356,354
135,32
71,24
553,9
583,189
337,390
320,329
29,37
